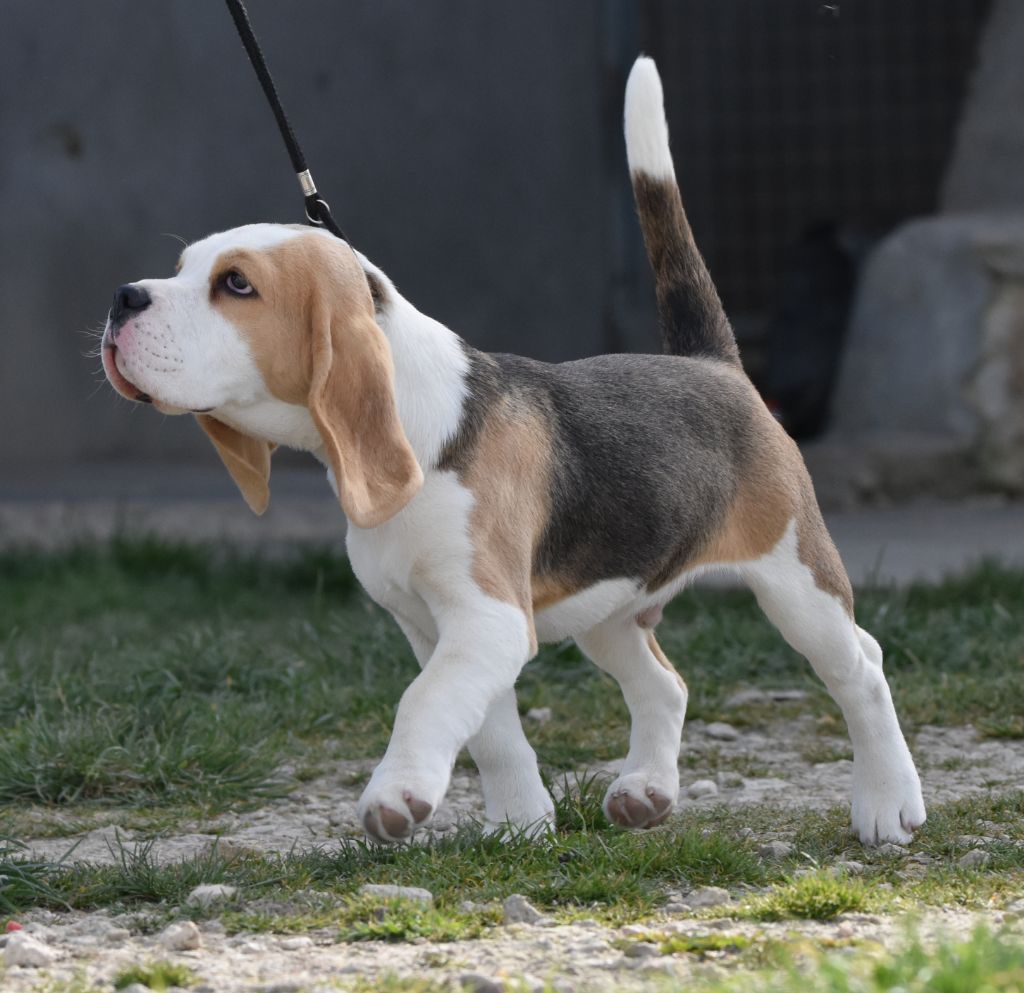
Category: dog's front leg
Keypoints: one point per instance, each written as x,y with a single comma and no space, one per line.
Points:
515,797
479,654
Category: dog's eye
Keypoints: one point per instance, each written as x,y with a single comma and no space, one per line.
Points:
238,284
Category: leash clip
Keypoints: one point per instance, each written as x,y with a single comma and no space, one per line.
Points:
320,203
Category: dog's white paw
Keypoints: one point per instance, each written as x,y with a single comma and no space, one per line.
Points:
638,800
392,808
887,801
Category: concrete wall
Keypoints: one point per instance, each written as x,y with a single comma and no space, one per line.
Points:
471,148
460,143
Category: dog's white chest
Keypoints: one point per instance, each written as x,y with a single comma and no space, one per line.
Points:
423,550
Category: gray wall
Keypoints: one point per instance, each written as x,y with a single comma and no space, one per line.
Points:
470,147
460,143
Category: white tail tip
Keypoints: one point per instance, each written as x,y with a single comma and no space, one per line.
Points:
646,129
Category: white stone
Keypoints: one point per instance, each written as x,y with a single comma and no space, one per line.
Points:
540,715
473,982
890,849
721,731
702,787
22,949
775,849
387,891
181,936
516,909
850,867
974,859
296,943
708,896
210,893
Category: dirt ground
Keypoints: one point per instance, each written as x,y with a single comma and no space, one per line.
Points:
954,762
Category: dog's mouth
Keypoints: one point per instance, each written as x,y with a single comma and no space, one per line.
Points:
117,379
129,390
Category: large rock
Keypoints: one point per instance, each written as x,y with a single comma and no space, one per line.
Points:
935,353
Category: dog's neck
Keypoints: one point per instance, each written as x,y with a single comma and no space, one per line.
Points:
431,363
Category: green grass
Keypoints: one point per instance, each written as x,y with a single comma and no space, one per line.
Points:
586,869
158,976
24,882
817,896
617,873
148,674
986,962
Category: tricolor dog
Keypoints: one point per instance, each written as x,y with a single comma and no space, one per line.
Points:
495,502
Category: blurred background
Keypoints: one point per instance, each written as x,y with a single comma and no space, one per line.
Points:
854,173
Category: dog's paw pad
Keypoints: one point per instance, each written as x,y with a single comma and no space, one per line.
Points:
388,824
419,809
627,809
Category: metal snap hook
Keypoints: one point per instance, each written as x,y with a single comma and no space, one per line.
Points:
316,220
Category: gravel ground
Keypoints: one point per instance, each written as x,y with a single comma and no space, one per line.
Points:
576,957
954,762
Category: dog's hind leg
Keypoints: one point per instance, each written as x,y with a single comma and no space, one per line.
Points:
647,788
802,587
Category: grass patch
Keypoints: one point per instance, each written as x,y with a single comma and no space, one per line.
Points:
586,868
405,920
817,896
25,882
615,874
158,976
359,918
986,962
816,752
148,673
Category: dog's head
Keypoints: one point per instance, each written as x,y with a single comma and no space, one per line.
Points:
267,334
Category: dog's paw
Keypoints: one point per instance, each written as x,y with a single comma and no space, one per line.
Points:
636,801
393,813
887,803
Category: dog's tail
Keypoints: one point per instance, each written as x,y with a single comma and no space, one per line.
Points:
692,319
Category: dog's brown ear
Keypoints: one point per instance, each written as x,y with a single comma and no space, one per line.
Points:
352,402
246,458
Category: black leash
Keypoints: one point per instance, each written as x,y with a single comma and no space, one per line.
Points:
318,211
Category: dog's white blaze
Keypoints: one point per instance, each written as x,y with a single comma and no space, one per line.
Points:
199,257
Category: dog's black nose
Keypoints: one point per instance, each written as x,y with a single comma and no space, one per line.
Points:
128,300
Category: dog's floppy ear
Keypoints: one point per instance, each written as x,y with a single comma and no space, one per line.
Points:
352,402
246,458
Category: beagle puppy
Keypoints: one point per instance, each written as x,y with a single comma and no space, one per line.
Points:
495,502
